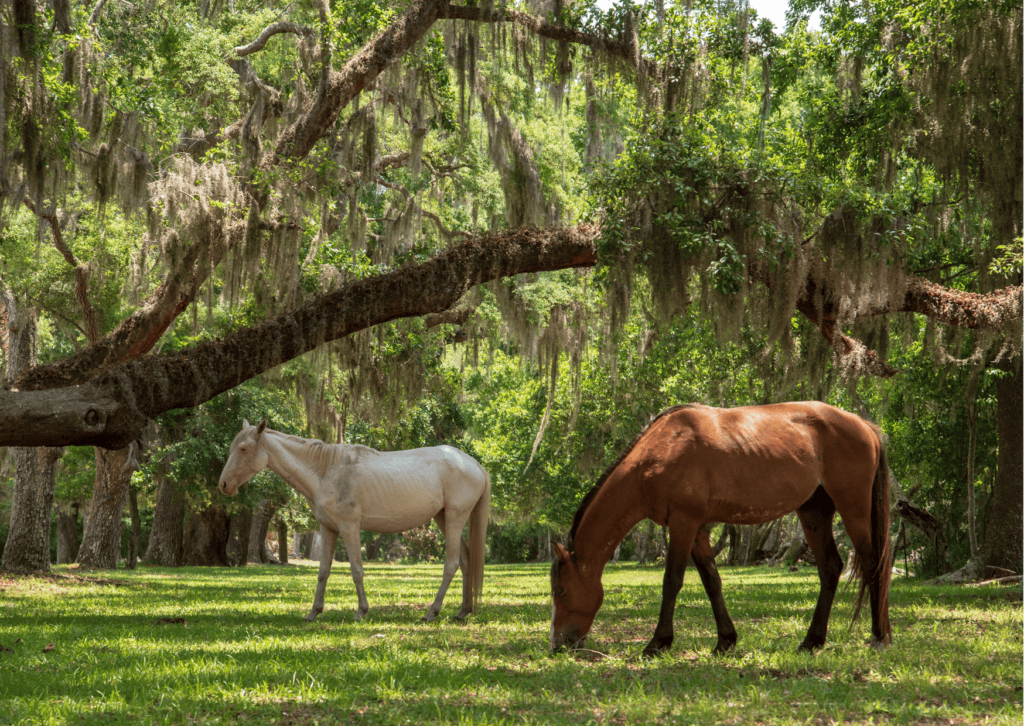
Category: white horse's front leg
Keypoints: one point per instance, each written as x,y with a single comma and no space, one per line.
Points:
350,535
328,541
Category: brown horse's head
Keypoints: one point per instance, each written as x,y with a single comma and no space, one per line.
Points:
575,599
246,458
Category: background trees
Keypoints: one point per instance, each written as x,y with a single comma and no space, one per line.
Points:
375,209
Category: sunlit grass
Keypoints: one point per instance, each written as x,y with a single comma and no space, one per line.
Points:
229,645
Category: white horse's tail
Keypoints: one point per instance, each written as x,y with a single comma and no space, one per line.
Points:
478,541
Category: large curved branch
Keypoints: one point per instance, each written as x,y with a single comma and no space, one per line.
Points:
111,409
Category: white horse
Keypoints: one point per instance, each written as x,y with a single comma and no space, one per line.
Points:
351,487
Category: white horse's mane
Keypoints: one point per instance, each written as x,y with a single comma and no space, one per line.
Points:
323,455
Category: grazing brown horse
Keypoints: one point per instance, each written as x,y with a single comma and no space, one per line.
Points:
694,465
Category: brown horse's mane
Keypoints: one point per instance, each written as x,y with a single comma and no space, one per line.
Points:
589,496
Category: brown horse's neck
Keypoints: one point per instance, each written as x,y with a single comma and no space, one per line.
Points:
612,513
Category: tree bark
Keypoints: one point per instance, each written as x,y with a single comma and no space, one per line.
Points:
206,538
239,526
67,533
282,541
258,550
101,541
168,534
1002,546
112,408
28,542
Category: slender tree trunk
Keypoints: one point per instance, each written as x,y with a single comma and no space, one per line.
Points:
282,541
734,543
306,546
972,442
101,542
374,545
67,533
239,527
167,537
258,550
135,542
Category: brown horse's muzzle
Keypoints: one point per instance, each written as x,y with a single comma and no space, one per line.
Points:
568,639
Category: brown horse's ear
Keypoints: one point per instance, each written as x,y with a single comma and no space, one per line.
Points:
560,552
262,427
245,423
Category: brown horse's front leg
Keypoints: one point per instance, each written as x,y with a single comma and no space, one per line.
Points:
680,543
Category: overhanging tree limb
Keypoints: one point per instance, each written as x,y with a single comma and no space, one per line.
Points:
110,409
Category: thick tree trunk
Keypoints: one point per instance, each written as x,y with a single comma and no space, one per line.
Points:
101,541
206,538
28,542
239,527
168,534
1002,546
67,533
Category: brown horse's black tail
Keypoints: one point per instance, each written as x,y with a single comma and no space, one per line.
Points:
875,572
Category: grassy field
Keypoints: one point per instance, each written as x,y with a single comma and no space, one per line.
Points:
208,646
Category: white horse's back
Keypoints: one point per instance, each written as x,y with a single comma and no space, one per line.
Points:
398,490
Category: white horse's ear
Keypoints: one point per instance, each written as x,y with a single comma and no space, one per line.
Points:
261,427
245,423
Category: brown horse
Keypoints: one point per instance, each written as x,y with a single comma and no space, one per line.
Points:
694,465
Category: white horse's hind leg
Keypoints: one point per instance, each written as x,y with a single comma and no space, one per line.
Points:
350,535
454,549
329,538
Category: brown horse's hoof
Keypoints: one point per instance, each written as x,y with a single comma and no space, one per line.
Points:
876,644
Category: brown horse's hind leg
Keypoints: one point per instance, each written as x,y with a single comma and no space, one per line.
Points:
680,543
816,517
704,559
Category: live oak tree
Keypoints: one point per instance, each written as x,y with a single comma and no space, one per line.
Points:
318,169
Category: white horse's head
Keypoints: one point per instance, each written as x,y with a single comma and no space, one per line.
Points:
246,458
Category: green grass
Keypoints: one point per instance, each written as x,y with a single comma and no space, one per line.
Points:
205,646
